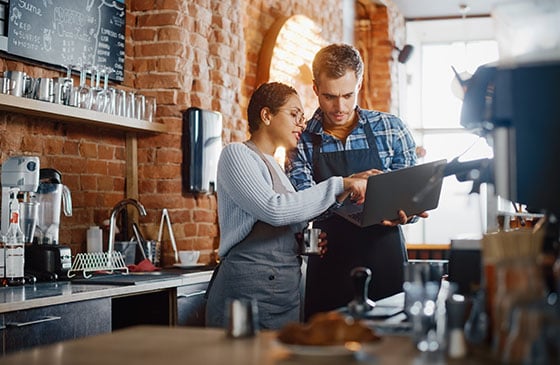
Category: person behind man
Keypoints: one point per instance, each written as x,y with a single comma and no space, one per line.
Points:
343,140
259,213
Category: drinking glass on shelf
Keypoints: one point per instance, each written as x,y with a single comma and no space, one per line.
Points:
150,109
120,102
130,104
82,94
103,101
95,89
63,87
139,106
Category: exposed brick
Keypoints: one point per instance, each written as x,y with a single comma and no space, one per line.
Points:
161,19
88,183
144,34
172,33
88,150
201,53
149,81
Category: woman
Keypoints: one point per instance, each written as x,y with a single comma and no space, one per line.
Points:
259,213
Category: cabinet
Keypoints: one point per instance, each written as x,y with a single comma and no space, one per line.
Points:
191,305
41,326
142,309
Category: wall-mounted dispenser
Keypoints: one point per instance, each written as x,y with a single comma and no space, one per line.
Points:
202,145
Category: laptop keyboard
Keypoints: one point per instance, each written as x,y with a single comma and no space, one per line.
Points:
357,216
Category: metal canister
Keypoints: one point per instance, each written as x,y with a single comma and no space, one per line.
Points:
241,318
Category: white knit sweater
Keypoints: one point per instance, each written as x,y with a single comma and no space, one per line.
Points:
245,196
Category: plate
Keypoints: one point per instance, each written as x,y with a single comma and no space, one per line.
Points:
349,349
188,266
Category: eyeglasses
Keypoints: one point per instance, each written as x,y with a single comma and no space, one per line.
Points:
299,117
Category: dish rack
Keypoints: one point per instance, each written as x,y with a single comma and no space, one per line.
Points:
89,262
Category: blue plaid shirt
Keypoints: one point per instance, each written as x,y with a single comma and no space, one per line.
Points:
394,141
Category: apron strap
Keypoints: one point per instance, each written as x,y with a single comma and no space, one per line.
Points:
277,185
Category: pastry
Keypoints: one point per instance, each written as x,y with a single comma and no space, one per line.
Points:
326,329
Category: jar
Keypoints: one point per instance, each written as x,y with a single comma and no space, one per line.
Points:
518,281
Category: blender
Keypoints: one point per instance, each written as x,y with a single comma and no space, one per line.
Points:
51,196
46,258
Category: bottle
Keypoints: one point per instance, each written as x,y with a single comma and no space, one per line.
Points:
14,248
94,238
2,260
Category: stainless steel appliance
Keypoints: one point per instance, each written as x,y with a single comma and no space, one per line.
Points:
516,107
45,258
22,173
51,196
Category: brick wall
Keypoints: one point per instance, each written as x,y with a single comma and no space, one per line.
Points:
379,27
200,53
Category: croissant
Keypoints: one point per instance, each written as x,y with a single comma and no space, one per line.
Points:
326,329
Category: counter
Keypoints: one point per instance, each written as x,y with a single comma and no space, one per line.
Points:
61,292
39,314
149,345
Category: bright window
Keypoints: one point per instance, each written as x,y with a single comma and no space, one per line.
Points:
432,108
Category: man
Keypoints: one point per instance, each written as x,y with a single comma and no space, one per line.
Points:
342,139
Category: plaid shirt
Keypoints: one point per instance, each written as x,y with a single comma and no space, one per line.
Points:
394,141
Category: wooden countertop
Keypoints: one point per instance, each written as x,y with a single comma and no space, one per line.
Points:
152,345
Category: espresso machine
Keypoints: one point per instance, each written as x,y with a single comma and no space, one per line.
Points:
20,176
45,258
21,173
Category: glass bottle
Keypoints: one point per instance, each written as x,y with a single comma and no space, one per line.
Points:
14,249
2,260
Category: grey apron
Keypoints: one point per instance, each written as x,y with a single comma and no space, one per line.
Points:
264,266
380,248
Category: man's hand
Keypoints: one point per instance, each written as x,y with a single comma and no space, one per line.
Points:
402,219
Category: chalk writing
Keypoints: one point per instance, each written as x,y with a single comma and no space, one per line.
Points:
64,32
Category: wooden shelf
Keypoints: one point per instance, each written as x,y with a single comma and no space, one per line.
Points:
69,114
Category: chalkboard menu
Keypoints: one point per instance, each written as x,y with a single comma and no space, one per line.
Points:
69,32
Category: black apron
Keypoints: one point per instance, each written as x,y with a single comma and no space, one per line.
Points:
380,248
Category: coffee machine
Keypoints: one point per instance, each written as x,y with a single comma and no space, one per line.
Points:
45,258
21,173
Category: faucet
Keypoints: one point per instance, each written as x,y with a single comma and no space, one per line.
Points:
115,212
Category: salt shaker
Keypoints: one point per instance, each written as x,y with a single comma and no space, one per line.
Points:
457,347
241,318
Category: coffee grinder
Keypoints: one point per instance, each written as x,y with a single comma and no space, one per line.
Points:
45,258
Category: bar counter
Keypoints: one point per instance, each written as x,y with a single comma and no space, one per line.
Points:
151,345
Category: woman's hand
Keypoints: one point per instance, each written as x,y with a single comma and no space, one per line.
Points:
355,186
367,173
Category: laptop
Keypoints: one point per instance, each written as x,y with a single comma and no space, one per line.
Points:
413,189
